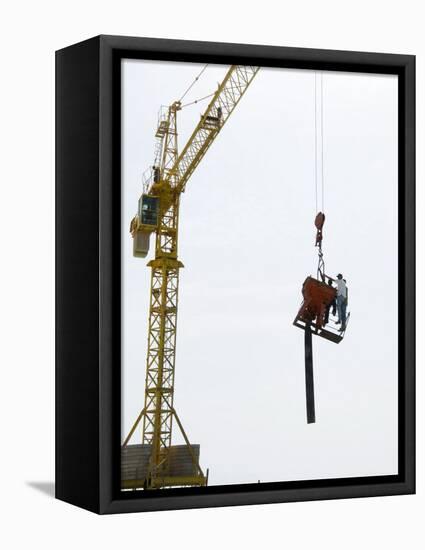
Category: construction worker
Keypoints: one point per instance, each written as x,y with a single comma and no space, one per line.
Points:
156,174
341,301
329,306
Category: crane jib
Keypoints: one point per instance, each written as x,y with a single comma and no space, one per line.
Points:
221,106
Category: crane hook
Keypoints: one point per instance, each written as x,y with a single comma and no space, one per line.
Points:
318,222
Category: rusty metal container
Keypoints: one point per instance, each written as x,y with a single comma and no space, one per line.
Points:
317,296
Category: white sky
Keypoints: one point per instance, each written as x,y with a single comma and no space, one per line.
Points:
247,243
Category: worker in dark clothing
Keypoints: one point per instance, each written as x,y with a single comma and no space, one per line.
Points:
156,174
329,306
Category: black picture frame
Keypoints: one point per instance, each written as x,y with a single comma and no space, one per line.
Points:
88,169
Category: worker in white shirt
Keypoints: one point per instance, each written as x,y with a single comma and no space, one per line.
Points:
341,301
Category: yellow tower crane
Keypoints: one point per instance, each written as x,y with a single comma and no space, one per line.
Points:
156,463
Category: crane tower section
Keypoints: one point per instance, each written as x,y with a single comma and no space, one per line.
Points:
165,465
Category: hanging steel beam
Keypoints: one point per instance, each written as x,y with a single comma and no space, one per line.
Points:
309,379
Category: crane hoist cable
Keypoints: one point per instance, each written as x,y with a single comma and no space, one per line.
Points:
319,146
320,216
321,139
315,138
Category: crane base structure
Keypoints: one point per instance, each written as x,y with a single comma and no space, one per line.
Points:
179,466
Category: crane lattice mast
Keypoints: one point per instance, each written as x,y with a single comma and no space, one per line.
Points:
163,463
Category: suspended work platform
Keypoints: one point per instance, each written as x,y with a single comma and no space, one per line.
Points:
331,332
315,311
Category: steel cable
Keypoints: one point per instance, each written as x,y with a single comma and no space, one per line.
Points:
194,82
